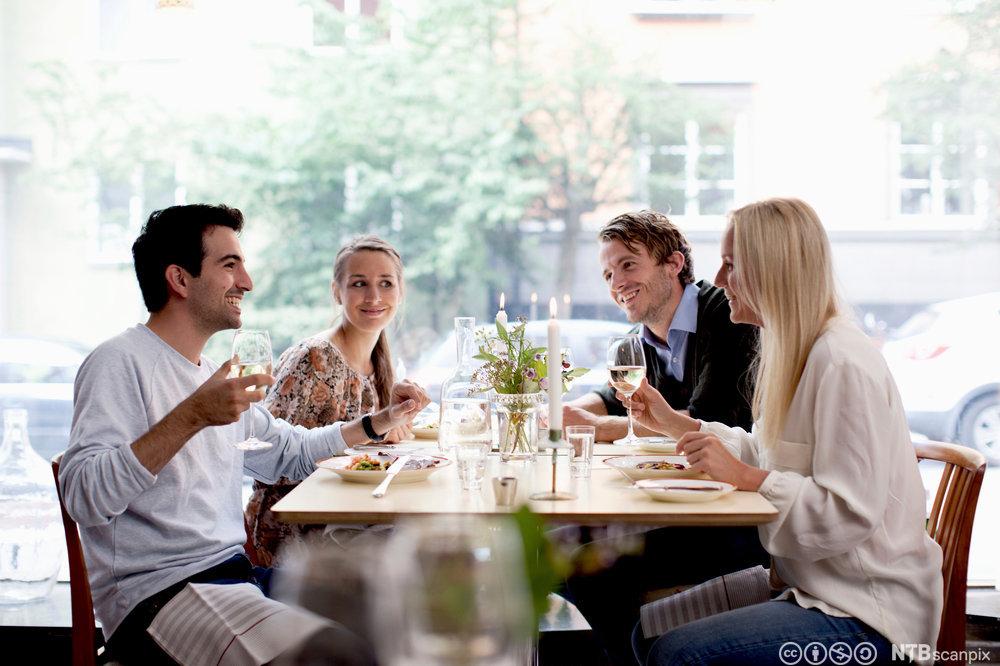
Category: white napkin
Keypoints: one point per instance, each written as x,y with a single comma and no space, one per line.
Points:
229,625
735,590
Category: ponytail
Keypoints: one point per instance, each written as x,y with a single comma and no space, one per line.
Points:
384,376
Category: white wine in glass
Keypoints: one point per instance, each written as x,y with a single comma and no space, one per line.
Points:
252,351
627,378
627,366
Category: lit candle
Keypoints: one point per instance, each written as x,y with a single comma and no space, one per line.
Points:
567,309
534,305
501,313
555,376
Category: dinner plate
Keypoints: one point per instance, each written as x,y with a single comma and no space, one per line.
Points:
338,465
684,490
629,466
665,445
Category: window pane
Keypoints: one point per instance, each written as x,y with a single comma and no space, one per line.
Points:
665,198
715,201
958,201
915,166
716,167
667,165
915,201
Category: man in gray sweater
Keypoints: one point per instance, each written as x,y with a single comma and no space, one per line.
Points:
151,474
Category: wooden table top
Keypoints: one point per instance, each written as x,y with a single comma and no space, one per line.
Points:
606,497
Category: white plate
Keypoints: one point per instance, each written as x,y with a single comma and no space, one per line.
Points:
665,445
338,464
684,490
627,465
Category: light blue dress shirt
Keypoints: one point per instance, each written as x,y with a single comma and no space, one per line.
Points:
682,326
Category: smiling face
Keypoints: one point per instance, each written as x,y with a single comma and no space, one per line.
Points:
728,278
216,295
637,284
370,290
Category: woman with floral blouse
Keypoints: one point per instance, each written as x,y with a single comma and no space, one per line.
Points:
336,375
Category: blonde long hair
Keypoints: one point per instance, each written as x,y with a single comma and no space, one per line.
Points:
783,262
381,355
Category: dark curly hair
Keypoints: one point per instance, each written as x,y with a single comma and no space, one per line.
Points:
175,236
653,231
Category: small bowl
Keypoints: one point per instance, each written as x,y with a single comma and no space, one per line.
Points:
684,490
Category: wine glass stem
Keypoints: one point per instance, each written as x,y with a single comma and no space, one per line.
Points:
631,433
250,416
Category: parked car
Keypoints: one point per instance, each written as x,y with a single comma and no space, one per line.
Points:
587,339
945,362
37,375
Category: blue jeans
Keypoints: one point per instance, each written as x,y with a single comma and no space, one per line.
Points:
767,633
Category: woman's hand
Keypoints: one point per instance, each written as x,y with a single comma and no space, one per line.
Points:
405,401
400,434
648,407
706,453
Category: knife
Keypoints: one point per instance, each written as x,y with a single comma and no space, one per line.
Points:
394,469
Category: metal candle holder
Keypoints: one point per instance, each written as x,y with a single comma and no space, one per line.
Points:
555,443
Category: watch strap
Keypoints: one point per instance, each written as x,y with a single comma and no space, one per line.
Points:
366,424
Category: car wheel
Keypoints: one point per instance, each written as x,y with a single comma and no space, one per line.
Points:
980,427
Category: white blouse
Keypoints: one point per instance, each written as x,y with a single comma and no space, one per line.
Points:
850,535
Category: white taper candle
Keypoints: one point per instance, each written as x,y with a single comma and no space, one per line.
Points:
554,375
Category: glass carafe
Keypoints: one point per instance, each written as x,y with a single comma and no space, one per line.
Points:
460,383
31,535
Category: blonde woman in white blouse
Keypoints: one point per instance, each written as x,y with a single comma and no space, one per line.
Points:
830,449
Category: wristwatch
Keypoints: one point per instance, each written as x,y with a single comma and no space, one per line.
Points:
366,424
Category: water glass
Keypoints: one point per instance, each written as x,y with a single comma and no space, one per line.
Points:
581,439
471,459
467,433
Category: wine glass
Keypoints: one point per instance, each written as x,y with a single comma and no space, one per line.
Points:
627,366
252,353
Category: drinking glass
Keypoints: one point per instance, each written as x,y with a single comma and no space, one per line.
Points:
452,590
627,366
252,351
467,431
581,438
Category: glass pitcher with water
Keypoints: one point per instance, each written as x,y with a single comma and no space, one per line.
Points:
31,533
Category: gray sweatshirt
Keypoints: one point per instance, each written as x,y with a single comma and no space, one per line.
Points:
142,532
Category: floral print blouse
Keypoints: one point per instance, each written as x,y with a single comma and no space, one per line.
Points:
313,386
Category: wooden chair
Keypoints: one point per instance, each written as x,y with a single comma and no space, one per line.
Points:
85,648
950,524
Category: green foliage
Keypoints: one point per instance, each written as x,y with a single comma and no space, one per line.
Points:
546,564
512,365
442,141
959,88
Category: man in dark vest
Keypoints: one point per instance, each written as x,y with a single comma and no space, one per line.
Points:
700,361
695,356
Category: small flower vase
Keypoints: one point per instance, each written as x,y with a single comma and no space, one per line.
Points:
517,424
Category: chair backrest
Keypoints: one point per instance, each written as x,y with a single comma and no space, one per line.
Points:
950,524
84,653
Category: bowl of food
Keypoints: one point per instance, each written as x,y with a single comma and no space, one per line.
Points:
371,468
425,431
636,468
684,490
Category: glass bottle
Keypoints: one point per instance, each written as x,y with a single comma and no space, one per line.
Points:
460,385
31,534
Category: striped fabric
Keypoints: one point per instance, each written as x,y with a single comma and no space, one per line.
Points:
735,590
229,625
